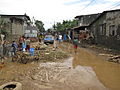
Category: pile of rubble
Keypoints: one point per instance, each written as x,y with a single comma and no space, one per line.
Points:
52,55
42,53
48,53
110,54
111,57
115,59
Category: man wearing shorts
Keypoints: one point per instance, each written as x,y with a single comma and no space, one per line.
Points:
75,43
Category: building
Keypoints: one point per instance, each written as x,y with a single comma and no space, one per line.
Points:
106,29
82,29
31,31
85,20
14,25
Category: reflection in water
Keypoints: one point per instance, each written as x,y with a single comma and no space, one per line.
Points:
107,72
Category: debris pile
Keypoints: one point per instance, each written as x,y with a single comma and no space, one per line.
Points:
42,53
54,55
115,59
110,54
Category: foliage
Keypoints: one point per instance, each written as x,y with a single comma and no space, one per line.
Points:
40,25
66,24
2,27
4,32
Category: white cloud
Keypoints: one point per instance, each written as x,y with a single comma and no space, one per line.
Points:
112,0
50,11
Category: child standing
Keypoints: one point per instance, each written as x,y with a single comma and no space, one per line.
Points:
75,43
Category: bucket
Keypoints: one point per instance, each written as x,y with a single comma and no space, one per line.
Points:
32,51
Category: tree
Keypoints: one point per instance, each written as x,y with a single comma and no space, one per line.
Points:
65,25
3,24
40,25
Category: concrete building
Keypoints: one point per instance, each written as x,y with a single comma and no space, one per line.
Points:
106,29
14,25
82,29
31,31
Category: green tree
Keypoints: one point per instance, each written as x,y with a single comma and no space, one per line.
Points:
40,25
3,24
65,25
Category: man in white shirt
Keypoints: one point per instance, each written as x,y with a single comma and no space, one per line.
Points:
60,38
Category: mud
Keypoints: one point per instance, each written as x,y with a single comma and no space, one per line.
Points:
85,70
62,76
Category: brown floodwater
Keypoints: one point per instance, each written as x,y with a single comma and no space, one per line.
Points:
107,72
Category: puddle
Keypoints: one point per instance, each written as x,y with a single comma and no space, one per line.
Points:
108,73
62,76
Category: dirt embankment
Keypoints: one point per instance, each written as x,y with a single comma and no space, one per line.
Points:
15,71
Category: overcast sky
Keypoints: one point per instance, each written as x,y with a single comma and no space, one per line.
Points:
52,11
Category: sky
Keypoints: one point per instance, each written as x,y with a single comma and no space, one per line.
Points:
53,11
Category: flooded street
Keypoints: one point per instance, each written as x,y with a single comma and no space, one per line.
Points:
62,76
84,70
108,73
60,44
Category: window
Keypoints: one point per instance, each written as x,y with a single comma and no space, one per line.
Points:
102,29
112,30
27,31
34,31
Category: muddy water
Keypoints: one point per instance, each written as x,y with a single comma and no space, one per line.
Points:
85,71
62,76
108,73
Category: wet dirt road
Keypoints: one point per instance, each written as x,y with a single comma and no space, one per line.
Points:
82,71
108,73
62,76
87,71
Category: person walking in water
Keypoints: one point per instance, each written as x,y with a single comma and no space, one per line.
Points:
75,43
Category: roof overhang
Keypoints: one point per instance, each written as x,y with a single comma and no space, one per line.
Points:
80,27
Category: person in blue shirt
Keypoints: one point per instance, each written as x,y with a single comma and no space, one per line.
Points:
14,47
23,46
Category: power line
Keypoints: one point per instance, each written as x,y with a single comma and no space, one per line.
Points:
114,5
88,5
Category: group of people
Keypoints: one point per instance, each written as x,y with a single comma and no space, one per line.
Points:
9,49
60,38
24,44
